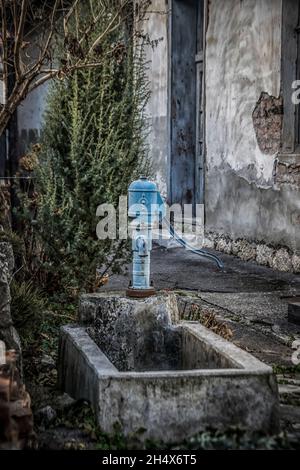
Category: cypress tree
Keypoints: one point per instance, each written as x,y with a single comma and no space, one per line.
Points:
93,145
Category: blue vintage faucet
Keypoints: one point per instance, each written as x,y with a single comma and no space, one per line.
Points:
146,209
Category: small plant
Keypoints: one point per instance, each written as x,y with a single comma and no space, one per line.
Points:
27,308
208,319
286,369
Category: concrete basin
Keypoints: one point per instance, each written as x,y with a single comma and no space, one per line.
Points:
193,381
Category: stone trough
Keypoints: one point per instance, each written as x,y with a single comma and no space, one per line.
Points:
160,378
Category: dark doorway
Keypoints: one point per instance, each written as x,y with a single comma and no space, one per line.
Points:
187,102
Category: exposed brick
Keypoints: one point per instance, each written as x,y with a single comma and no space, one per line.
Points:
267,122
287,173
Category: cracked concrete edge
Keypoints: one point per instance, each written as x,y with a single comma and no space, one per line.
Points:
247,365
88,348
241,358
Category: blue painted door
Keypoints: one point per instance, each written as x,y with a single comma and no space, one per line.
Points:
186,103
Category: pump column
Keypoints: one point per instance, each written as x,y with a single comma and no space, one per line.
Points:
143,213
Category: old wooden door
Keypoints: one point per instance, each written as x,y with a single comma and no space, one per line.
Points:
200,123
186,162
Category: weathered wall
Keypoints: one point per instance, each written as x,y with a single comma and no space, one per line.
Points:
243,124
30,111
155,25
30,118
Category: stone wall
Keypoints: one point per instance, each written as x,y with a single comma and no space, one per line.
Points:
16,422
276,257
8,333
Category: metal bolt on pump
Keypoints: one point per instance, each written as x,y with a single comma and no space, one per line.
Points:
146,209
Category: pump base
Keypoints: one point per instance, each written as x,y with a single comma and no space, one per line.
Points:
140,293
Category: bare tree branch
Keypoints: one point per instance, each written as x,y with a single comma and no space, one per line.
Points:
39,63
4,46
31,31
19,30
111,25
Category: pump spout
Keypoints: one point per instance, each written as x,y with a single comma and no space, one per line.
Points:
142,246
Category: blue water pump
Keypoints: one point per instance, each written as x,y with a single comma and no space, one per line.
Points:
146,210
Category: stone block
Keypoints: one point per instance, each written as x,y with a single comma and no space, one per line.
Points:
130,330
264,255
282,260
224,245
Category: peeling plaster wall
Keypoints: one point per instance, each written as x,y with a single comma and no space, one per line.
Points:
243,60
243,50
156,25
